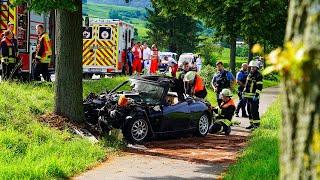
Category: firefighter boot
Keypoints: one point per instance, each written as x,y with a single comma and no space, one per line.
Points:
251,125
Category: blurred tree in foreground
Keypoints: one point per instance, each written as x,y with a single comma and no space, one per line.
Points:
299,65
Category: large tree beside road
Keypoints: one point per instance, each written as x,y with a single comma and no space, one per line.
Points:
174,31
299,64
68,97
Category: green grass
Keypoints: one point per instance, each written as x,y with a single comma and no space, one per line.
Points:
225,58
269,83
260,160
32,150
102,85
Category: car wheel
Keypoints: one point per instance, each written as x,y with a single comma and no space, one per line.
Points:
136,131
203,125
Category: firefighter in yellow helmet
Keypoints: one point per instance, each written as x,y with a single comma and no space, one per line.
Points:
224,113
252,93
43,55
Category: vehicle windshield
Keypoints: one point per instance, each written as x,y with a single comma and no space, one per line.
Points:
185,58
149,93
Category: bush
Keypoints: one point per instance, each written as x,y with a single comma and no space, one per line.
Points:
207,72
210,60
242,51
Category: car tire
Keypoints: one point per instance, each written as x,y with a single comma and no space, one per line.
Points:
203,125
136,131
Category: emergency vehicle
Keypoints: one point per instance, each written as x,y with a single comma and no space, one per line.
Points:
105,42
25,29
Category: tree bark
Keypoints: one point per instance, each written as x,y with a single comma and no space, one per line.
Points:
250,54
68,100
300,132
233,46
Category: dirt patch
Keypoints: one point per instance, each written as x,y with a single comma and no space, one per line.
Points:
210,149
59,122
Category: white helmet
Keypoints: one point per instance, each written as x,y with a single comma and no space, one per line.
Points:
253,64
226,92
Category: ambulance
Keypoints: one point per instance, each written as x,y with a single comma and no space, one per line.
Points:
25,30
105,42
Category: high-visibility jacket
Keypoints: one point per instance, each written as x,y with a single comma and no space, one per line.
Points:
254,85
8,51
225,112
44,50
198,84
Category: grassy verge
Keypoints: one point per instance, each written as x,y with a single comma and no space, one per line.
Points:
260,159
31,150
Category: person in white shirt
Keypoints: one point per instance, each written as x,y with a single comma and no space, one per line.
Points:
146,58
199,63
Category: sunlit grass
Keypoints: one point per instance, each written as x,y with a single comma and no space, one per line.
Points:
260,160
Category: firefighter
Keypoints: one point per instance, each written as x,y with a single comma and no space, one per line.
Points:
137,57
43,55
196,84
221,80
8,52
224,113
241,80
252,92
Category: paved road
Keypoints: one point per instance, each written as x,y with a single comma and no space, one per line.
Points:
180,159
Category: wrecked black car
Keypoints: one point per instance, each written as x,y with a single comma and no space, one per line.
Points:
146,107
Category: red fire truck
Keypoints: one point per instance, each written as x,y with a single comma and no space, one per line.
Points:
25,29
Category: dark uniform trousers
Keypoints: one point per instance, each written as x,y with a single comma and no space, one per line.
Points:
253,110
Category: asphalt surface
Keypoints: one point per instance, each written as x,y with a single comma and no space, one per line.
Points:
182,158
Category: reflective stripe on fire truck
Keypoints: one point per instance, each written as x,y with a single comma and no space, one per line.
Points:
88,53
7,14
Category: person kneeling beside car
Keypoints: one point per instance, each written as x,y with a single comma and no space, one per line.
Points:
224,113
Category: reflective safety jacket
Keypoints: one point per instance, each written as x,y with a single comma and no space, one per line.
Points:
225,112
253,85
44,50
8,51
198,84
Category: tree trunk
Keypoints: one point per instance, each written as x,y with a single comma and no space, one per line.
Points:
250,54
300,133
68,100
233,46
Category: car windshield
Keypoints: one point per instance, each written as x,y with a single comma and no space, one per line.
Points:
150,93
